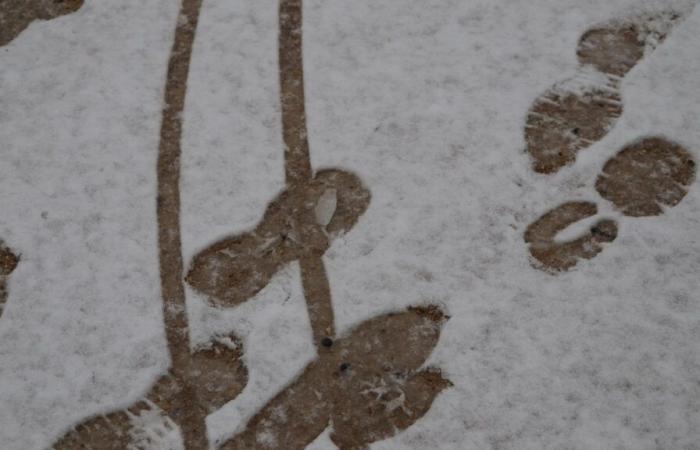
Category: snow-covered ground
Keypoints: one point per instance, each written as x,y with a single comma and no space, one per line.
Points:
425,100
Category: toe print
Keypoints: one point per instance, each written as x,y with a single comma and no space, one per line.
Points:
555,256
615,48
575,114
646,176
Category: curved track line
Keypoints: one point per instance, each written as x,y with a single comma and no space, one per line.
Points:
192,420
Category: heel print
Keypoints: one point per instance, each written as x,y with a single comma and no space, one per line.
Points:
556,256
646,176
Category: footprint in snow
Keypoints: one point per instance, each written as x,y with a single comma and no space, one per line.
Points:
642,179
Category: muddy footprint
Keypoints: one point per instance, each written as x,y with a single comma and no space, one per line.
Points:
642,179
562,256
647,176
576,113
301,221
365,384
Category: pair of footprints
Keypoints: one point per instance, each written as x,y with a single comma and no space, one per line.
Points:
642,179
365,383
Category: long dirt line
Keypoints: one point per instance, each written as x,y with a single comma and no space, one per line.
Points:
192,420
297,160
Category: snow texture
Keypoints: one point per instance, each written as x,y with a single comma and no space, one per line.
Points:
425,100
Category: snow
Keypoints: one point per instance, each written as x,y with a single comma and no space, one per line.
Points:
425,100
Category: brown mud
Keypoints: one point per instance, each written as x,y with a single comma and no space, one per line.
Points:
646,176
368,384
201,380
297,163
640,180
235,269
555,256
615,48
560,124
564,121
16,15
217,377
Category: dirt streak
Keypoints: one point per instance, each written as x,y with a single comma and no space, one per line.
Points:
8,263
191,420
297,160
291,66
